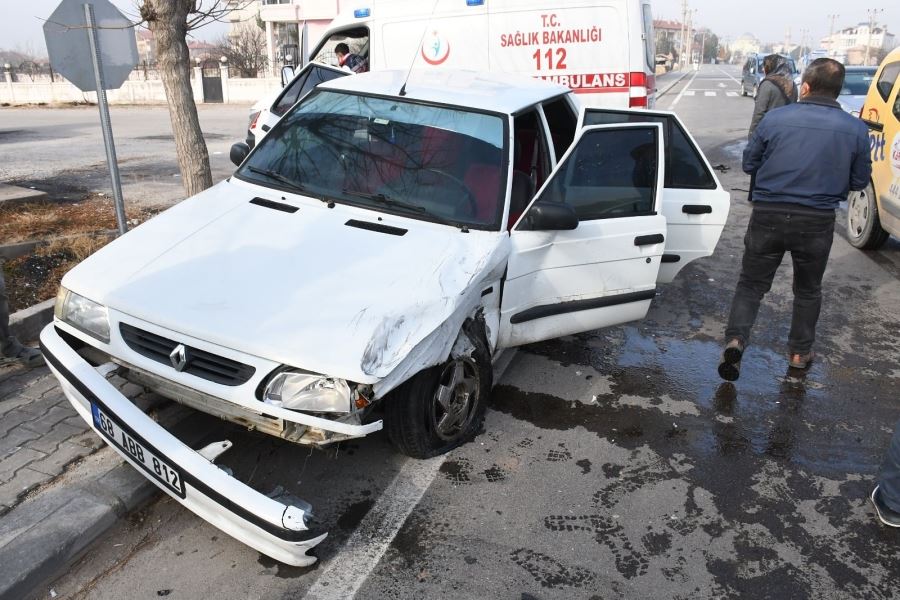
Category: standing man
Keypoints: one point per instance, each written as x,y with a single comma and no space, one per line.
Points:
806,157
10,348
886,495
350,61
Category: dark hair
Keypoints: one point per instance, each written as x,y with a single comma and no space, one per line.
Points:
342,48
825,77
770,62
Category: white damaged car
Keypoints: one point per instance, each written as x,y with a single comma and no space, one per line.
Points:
366,264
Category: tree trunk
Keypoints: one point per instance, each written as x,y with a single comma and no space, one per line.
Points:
167,20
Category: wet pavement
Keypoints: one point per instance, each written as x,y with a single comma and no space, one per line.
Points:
613,464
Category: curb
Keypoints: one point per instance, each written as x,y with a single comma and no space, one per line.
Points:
41,537
668,86
26,324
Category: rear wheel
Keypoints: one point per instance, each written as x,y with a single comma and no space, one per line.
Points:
864,229
743,90
441,407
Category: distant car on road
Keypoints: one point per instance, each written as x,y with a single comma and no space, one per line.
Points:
752,74
874,214
856,85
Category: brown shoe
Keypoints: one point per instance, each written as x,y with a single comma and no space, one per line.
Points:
801,361
730,365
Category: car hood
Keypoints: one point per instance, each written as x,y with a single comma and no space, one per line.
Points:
851,103
303,288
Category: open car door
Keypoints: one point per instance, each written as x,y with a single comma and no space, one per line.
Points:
694,203
587,250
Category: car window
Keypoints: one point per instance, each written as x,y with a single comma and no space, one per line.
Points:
856,83
610,174
530,149
357,40
685,167
301,86
897,106
563,122
423,161
886,80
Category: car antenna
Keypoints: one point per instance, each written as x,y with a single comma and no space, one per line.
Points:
412,63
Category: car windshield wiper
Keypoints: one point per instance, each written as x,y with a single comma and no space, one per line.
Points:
408,206
294,185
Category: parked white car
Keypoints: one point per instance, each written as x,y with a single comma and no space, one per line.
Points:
364,266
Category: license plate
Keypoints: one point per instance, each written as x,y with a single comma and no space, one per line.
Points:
123,439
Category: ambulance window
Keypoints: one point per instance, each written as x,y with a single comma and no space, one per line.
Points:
562,121
684,165
530,153
357,41
886,81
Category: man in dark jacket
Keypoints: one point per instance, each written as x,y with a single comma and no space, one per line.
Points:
886,495
777,89
806,157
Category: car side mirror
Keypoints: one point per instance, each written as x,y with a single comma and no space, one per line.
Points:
551,216
239,152
287,73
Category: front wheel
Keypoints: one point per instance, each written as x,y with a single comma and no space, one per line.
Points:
743,90
864,229
443,406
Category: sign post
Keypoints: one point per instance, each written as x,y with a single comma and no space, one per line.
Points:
105,123
109,47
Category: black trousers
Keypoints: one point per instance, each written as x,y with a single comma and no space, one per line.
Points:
805,233
889,479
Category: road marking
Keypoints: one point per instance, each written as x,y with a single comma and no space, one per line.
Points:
346,572
732,94
689,93
677,98
730,77
721,85
709,93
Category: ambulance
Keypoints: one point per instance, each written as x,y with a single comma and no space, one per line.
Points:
603,51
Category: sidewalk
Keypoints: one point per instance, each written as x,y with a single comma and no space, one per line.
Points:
60,486
667,81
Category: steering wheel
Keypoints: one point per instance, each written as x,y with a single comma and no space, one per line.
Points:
464,201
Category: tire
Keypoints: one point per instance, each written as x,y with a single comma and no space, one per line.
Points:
419,422
864,229
755,91
743,90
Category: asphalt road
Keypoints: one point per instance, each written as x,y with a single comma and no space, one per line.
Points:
613,464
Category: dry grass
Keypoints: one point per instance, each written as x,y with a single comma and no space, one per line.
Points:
43,220
74,232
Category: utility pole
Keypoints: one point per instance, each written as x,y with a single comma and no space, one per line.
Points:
702,46
684,11
873,15
787,41
831,35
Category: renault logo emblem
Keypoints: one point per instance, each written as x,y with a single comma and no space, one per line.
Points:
178,357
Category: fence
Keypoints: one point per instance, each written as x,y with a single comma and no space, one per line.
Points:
142,87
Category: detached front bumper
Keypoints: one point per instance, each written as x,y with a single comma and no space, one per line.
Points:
275,529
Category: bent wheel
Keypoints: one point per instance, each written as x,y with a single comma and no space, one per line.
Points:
443,406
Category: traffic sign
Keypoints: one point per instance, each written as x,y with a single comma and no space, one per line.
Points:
68,44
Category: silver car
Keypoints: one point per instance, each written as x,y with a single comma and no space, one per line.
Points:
856,86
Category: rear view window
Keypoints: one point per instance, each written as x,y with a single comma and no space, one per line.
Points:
685,167
888,78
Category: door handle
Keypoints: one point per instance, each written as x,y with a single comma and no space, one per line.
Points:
696,209
265,128
646,240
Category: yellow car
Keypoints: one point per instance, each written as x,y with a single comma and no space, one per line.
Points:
874,213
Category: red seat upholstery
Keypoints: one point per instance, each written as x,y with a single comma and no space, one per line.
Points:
484,183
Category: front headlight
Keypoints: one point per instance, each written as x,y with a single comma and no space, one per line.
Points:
83,314
297,390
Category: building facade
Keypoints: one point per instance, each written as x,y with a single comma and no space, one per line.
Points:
283,21
850,44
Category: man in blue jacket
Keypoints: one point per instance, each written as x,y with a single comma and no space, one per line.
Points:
806,158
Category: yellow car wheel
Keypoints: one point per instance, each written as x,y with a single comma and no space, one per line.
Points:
863,225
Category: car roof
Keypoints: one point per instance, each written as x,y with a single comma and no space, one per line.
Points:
497,92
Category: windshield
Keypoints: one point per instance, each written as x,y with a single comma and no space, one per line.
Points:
856,83
427,162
